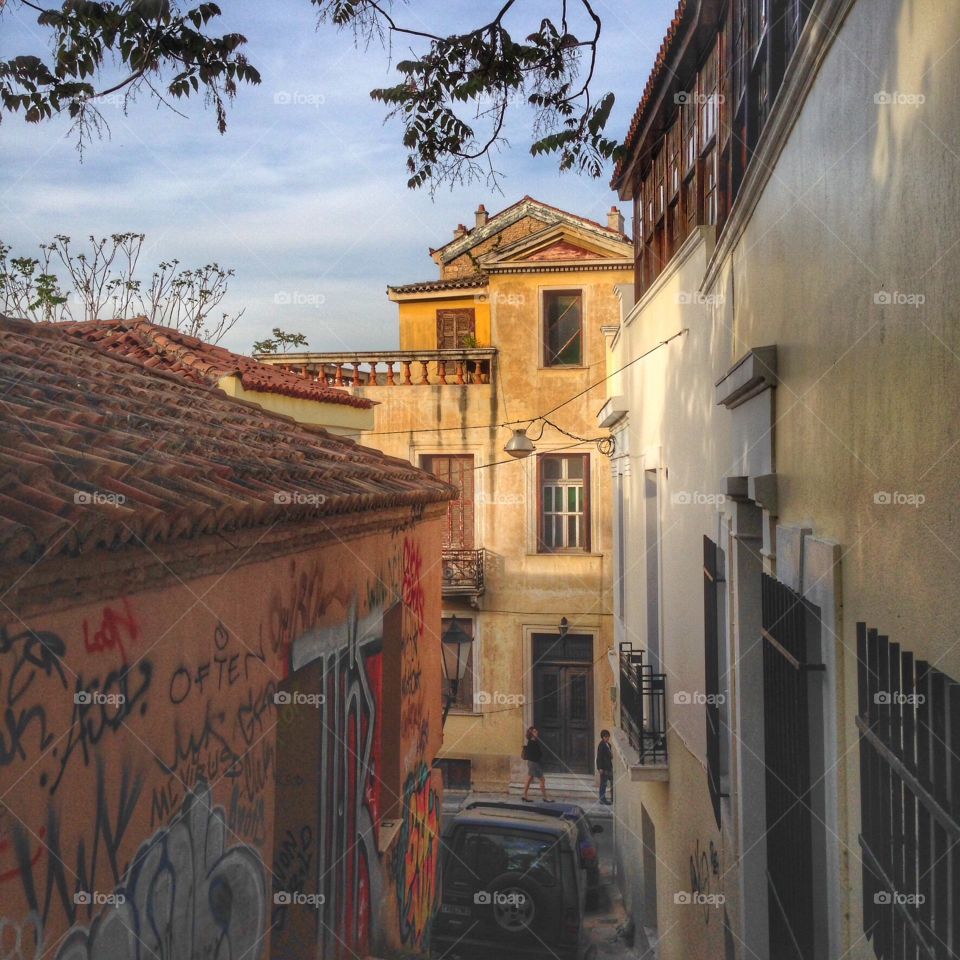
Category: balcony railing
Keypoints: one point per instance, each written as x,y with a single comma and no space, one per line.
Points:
390,368
462,573
643,706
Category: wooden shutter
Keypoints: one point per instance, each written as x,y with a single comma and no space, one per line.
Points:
453,326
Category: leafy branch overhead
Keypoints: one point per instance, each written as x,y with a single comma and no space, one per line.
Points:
456,91
101,49
453,96
280,342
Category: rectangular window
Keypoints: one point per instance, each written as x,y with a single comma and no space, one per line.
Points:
564,503
465,691
651,504
454,327
457,470
690,211
716,687
562,328
621,554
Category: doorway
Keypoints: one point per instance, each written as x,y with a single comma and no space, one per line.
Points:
563,701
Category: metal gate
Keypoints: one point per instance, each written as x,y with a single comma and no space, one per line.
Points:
787,762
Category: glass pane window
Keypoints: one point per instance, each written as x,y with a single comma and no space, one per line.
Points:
710,187
563,328
564,518
707,100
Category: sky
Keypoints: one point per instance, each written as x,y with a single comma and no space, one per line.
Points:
305,196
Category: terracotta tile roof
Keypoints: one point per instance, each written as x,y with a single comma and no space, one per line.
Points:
454,283
653,82
99,451
167,349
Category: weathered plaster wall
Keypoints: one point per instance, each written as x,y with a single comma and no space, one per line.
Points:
671,427
148,753
849,265
418,320
339,418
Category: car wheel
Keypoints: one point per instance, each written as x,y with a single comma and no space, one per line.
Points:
515,903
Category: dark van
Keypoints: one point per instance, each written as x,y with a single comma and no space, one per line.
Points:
511,885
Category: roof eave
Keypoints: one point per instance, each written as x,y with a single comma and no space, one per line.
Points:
693,15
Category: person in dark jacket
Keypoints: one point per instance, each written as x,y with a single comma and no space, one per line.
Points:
533,754
605,766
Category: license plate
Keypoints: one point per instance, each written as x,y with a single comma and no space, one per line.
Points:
455,909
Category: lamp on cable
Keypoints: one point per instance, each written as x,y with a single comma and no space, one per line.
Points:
519,445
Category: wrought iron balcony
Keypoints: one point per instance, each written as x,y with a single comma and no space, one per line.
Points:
463,573
643,715
390,368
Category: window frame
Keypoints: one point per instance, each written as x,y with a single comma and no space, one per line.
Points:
426,462
587,522
545,292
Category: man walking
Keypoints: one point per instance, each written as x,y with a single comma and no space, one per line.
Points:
605,766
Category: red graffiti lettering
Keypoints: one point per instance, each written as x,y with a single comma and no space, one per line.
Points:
112,633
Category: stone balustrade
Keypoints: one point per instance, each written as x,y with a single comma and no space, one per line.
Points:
390,368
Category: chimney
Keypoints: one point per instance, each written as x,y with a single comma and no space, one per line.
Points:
481,215
459,231
615,220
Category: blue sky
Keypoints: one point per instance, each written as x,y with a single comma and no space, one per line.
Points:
305,196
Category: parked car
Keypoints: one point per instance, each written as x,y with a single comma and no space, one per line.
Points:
510,886
589,856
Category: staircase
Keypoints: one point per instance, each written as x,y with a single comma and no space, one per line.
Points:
576,788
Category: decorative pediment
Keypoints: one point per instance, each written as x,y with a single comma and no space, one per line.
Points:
561,250
558,243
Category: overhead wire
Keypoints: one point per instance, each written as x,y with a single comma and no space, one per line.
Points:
532,420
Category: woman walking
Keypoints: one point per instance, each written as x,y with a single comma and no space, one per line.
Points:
533,754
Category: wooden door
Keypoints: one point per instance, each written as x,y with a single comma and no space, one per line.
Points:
563,713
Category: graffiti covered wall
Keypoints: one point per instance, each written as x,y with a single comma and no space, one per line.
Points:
236,766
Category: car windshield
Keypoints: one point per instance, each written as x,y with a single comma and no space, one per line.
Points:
487,854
